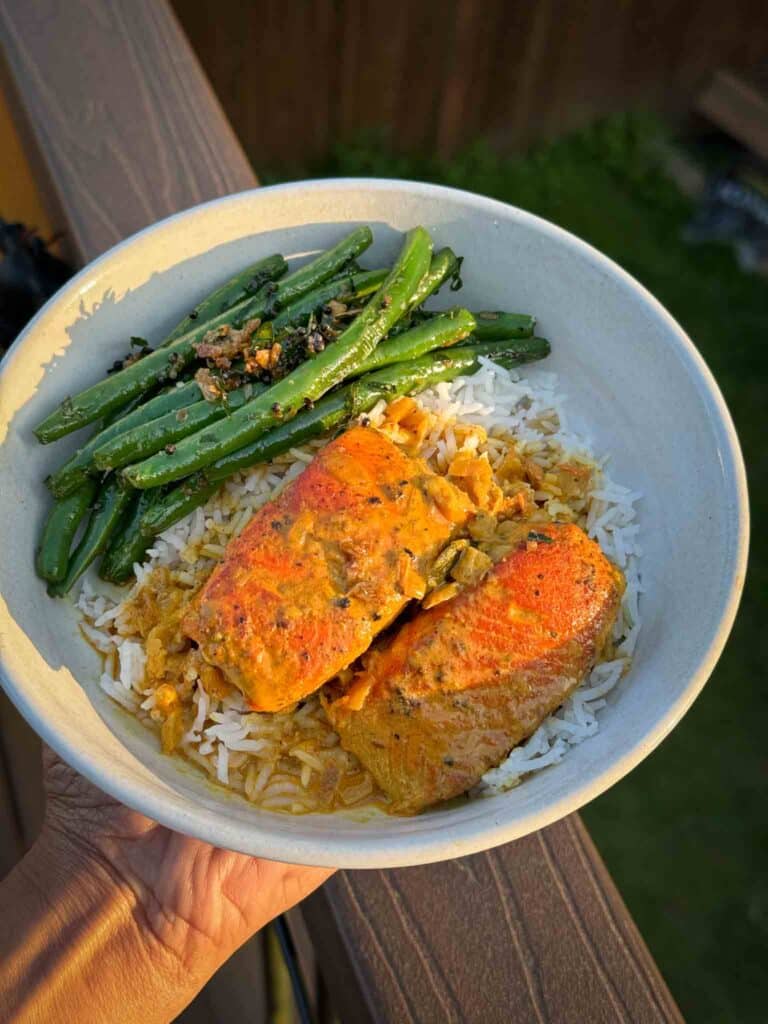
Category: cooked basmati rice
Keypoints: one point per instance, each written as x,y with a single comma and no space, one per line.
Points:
276,760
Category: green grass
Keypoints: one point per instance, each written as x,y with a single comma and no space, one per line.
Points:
685,834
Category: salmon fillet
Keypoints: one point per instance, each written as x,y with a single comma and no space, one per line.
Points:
461,684
318,572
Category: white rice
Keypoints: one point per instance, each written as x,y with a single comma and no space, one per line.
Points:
530,409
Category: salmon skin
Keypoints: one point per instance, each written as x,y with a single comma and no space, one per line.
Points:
461,684
318,572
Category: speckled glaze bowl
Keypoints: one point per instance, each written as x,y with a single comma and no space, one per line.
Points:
634,381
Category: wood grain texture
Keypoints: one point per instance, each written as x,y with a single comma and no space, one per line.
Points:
120,113
438,74
531,933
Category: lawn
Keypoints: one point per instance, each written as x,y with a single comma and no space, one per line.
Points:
685,834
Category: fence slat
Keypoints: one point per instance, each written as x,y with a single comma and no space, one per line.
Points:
438,74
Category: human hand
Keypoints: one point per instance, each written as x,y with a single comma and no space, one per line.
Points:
192,897
114,917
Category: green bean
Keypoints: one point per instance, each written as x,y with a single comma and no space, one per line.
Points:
336,408
177,503
437,332
128,544
445,263
312,274
148,438
508,352
167,362
75,471
306,383
329,412
123,410
245,283
110,505
343,404
343,288
59,532
495,325
160,366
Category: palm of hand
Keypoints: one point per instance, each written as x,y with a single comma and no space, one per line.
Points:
192,897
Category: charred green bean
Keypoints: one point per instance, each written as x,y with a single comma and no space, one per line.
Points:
306,383
167,362
331,411
76,469
107,512
59,532
148,438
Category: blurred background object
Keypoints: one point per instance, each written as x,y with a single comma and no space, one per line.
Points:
294,78
429,78
29,272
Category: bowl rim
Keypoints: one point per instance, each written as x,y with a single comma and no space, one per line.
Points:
472,835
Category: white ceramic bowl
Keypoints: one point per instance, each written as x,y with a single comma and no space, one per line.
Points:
633,379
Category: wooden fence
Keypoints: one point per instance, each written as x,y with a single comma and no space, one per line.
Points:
294,76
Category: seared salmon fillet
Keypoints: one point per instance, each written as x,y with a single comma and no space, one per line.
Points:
461,684
318,572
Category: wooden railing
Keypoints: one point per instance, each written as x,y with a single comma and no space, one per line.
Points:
125,129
